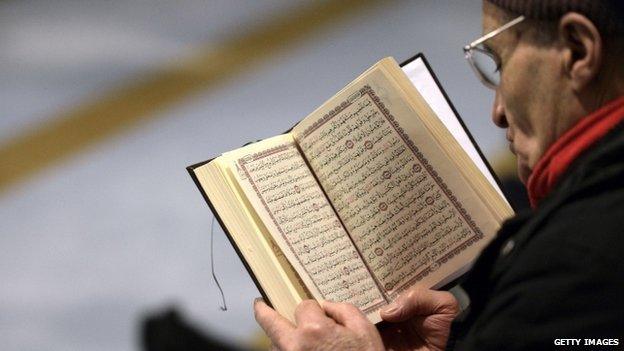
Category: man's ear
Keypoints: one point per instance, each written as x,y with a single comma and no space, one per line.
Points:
582,47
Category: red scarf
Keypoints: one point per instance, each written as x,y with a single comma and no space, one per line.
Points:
569,146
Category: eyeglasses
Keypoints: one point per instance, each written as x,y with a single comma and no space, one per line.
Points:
483,62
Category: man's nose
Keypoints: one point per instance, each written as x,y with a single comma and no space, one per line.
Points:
498,112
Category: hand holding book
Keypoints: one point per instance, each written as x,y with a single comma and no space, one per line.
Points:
420,320
328,326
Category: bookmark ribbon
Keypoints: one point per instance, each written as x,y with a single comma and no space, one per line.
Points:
223,306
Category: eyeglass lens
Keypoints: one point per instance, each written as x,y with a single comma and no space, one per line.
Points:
487,66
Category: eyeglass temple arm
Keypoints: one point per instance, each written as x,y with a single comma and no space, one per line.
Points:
493,33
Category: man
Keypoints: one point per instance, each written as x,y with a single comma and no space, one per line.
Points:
555,272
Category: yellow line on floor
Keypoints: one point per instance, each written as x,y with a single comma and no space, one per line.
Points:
73,131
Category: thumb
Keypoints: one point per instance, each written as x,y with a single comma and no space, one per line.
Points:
419,301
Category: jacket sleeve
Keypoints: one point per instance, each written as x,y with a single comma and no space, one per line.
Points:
568,282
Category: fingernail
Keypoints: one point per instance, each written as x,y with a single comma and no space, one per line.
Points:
258,299
391,308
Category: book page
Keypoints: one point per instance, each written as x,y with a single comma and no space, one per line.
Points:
393,186
269,268
281,188
424,82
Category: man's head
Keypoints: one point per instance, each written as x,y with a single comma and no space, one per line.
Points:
559,64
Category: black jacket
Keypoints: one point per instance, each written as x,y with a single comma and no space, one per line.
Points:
556,272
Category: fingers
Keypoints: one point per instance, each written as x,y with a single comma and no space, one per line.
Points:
334,327
396,337
353,319
309,312
420,301
346,314
311,315
277,328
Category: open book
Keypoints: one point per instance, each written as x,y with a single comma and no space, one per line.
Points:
364,197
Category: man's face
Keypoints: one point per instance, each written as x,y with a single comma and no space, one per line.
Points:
528,102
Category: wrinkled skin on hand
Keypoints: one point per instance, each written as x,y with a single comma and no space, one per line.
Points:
419,319
334,326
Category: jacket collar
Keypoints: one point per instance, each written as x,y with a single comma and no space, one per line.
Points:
570,146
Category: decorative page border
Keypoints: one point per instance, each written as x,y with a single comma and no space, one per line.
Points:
478,234
281,148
